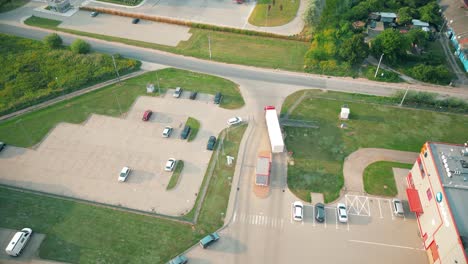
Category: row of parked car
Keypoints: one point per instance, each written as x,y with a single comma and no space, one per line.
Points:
204,243
193,95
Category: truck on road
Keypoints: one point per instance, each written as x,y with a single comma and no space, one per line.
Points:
274,130
262,171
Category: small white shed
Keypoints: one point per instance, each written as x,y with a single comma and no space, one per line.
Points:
150,88
344,112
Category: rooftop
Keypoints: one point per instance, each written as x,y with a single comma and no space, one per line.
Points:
452,165
456,14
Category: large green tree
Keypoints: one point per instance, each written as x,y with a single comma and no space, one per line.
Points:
405,15
80,47
391,43
53,41
430,13
354,50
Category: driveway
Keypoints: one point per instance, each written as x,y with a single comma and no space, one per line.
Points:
357,162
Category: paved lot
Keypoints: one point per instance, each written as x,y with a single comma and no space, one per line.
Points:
29,250
220,12
83,161
148,31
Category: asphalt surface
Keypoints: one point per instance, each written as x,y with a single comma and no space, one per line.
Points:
236,71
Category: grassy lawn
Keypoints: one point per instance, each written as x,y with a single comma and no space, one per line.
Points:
35,125
225,47
175,175
379,178
81,233
280,13
319,153
7,5
214,207
195,126
123,2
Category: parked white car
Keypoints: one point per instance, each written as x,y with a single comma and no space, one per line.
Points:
170,164
234,121
298,211
124,174
167,132
177,92
342,213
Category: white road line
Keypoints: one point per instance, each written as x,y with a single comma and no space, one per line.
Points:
391,210
273,222
336,218
234,219
251,219
382,244
380,208
242,218
313,217
263,221
368,206
257,219
282,223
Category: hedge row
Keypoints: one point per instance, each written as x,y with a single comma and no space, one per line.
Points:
193,24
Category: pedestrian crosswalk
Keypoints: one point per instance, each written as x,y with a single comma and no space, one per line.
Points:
259,220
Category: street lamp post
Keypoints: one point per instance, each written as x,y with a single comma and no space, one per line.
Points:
115,68
378,66
157,80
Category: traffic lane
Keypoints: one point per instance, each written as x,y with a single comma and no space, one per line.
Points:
227,70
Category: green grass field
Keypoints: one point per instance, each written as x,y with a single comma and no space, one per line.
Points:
379,178
280,13
319,153
194,125
175,175
225,47
28,129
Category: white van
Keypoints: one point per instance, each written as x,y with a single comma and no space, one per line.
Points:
18,242
398,207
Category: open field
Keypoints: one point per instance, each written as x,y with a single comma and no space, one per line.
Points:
272,13
225,47
110,100
379,178
319,153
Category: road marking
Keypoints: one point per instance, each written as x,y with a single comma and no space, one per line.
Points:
380,208
391,210
242,218
234,219
257,219
313,217
382,244
336,218
282,223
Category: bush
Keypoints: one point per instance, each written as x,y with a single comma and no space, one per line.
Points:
53,41
383,75
432,74
80,47
429,100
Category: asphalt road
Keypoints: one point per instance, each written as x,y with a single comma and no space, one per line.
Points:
237,71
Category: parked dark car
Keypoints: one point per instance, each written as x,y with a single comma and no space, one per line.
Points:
2,146
211,143
178,260
185,133
209,239
146,115
135,21
94,14
193,95
320,212
218,97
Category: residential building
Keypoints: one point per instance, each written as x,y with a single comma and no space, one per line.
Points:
438,195
455,13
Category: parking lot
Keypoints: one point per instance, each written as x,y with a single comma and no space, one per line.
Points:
84,160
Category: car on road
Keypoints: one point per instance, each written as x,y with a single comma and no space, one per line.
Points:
342,213
193,95
234,121
135,21
211,143
170,164
178,92
185,133
167,132
124,174
94,14
320,212
218,97
146,115
209,239
178,260
397,207
2,146
298,211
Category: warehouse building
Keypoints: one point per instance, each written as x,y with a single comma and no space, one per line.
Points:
438,195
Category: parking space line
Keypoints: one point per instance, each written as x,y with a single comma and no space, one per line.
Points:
257,219
368,206
391,210
336,218
382,244
313,217
282,223
234,218
380,208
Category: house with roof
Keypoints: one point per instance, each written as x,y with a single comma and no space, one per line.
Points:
455,13
418,24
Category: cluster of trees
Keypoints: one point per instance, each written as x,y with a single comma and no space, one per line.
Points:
36,71
337,46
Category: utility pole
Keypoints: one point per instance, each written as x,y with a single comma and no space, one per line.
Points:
157,80
115,68
378,66
404,96
209,45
